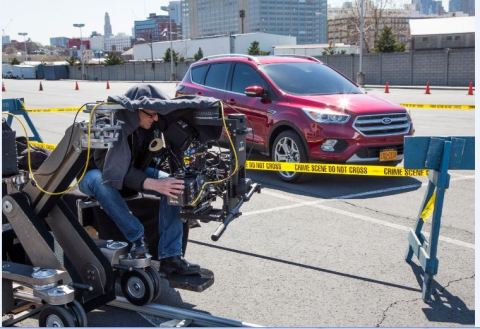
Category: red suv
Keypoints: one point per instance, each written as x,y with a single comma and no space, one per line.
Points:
301,110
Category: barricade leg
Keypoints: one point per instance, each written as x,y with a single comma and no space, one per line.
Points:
417,234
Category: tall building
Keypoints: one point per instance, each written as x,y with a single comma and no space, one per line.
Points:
304,19
176,11
155,28
343,27
118,43
5,39
107,27
59,42
466,6
429,7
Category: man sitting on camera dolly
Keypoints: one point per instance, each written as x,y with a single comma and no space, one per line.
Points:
123,167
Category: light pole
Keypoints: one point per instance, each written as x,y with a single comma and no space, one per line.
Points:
169,10
80,25
360,75
24,34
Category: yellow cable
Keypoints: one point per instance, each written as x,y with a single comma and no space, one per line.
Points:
37,185
236,161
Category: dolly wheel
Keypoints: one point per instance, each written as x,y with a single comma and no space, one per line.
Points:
155,276
79,312
56,316
137,287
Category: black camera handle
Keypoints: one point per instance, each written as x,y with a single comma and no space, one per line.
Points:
235,212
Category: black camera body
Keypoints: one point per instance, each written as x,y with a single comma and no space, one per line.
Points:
192,153
193,183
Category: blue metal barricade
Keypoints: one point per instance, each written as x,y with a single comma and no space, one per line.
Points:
438,154
16,106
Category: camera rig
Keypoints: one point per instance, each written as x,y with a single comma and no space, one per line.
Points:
187,151
39,219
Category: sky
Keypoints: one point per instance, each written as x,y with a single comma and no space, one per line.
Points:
43,19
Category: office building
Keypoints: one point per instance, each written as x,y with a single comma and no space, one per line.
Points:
5,39
155,28
118,43
305,20
343,27
59,42
429,7
97,42
465,6
107,27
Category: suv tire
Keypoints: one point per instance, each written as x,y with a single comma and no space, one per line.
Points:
288,147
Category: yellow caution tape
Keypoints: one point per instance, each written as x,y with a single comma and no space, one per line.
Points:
50,147
335,169
438,106
58,109
317,168
429,207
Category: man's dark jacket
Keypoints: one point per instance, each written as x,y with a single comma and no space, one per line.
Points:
122,165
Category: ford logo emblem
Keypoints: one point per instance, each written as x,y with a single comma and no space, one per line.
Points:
386,121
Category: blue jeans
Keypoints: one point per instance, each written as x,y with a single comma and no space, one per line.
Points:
170,226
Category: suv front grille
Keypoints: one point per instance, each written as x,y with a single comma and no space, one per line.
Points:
386,124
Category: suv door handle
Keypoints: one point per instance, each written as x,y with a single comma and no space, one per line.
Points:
231,101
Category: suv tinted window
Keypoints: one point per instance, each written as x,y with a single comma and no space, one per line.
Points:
217,75
243,76
309,79
198,74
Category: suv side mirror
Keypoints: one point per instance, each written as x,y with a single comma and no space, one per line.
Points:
255,91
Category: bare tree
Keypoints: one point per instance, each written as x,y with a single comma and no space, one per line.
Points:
374,12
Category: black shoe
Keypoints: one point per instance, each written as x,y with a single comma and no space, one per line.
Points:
139,249
178,265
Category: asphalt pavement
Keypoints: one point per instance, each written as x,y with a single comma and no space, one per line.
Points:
326,252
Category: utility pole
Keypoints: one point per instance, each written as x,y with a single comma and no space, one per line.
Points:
169,10
24,35
80,25
360,75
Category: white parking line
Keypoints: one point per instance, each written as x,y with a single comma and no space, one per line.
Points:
297,202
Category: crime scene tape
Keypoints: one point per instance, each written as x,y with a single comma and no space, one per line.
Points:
427,212
317,168
335,169
438,106
57,109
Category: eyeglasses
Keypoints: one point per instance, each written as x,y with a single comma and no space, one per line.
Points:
150,115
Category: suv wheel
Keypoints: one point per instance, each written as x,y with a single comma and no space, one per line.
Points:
288,147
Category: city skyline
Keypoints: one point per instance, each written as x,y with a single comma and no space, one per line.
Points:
29,16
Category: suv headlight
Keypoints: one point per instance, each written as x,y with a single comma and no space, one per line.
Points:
326,116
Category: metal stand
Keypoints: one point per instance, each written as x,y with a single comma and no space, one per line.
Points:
438,154
16,106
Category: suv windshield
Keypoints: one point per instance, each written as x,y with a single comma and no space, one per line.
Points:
309,79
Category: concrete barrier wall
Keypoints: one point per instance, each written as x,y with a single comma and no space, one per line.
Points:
454,67
143,71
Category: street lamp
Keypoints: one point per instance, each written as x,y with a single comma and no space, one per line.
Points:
169,10
80,25
24,34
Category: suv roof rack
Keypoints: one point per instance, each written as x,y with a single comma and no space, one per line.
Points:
230,55
301,56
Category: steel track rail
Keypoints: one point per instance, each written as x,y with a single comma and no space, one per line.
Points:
198,319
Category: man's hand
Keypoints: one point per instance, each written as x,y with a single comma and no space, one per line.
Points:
171,187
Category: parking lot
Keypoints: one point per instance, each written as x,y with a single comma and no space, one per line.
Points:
326,252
